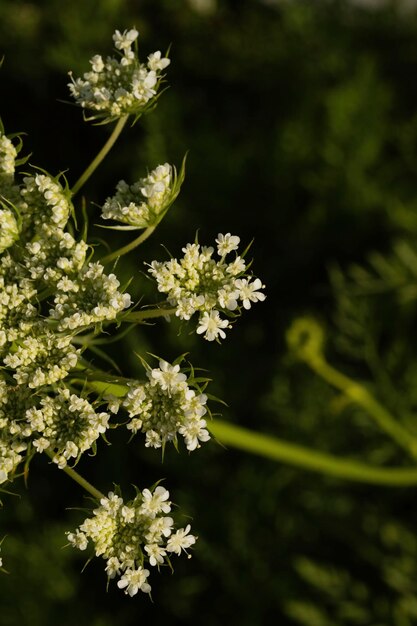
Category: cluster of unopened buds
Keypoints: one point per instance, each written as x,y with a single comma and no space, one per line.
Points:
54,301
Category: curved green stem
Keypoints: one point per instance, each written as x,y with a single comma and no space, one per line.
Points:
147,314
79,479
128,247
313,460
361,396
101,155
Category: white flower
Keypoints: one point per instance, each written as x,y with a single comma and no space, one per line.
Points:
134,580
248,292
181,540
211,325
78,540
156,553
113,567
97,63
128,514
227,243
124,40
156,502
153,439
155,62
168,376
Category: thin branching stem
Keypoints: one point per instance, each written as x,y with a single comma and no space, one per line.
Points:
79,479
101,155
128,247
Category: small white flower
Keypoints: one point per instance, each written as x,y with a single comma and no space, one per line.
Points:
227,243
155,62
181,540
97,63
123,41
156,554
113,567
78,540
153,439
156,502
168,376
212,326
134,580
128,514
248,292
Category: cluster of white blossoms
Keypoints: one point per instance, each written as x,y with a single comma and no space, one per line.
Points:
88,299
164,407
55,298
67,424
48,293
42,360
115,87
200,283
9,230
132,536
15,432
8,156
146,201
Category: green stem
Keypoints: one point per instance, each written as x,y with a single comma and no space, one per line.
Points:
361,396
79,479
128,247
313,460
101,155
139,316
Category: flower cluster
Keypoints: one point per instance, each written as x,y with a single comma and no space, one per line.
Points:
9,229
8,155
47,205
43,266
164,407
133,535
55,298
14,430
145,202
88,299
199,283
42,360
115,87
67,424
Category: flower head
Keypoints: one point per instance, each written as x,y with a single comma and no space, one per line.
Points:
119,86
198,283
165,406
129,543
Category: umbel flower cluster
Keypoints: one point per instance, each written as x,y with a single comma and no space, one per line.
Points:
164,407
144,203
56,297
200,283
118,86
133,535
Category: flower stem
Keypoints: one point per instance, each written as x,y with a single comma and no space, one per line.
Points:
313,460
147,314
128,247
101,155
361,396
79,479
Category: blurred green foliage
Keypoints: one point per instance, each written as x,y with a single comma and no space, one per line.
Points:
301,122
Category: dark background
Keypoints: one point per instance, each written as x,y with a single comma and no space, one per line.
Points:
300,121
